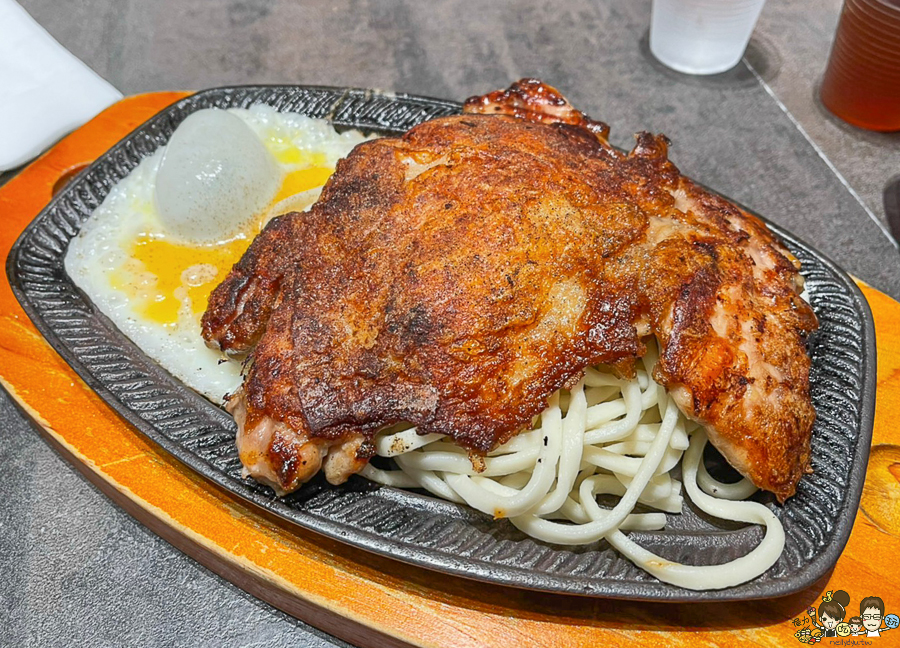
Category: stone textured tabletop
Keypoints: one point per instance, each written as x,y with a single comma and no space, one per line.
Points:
85,573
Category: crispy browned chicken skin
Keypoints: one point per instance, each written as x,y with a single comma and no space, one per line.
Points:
457,276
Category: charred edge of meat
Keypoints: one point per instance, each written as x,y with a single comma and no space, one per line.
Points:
532,100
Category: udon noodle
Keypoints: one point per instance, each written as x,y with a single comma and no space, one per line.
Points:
606,436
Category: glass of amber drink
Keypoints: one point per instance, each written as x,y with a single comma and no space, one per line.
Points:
862,81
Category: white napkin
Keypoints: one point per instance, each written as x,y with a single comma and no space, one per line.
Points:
45,91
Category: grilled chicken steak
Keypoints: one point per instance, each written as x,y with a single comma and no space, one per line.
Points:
455,277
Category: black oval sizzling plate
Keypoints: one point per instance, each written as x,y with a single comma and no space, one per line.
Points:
416,528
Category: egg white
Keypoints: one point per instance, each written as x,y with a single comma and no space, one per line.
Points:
100,255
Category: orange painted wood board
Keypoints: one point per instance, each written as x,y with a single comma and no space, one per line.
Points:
366,599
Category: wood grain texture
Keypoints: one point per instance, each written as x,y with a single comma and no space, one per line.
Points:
357,596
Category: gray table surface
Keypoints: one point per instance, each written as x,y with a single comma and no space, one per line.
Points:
74,569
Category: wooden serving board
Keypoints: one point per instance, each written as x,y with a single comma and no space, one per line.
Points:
362,598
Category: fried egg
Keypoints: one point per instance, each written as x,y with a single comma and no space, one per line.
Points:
169,232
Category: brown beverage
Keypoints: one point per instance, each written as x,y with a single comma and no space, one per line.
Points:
862,81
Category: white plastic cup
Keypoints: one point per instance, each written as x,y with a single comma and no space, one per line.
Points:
702,36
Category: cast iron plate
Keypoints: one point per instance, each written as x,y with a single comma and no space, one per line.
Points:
412,527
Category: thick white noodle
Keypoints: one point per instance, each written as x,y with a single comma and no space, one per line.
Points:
542,477
609,437
704,577
602,521
391,445
739,490
572,448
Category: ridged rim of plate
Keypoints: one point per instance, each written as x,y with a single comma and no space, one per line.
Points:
401,524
